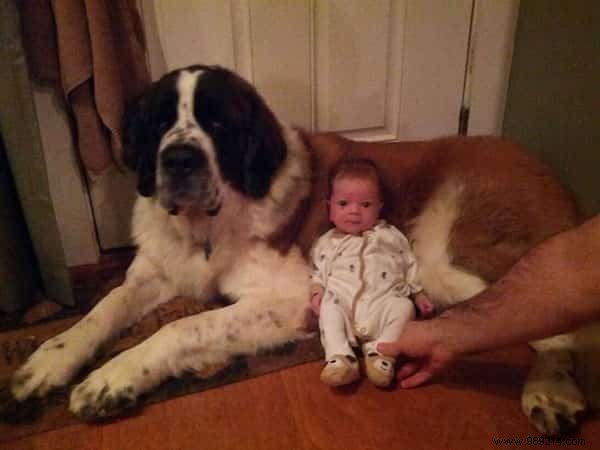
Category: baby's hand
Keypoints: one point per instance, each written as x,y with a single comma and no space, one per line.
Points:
425,306
316,295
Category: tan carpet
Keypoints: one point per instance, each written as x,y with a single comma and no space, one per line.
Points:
51,413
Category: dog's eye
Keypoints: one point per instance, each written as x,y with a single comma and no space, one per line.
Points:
216,125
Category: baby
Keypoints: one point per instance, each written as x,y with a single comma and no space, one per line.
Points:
363,275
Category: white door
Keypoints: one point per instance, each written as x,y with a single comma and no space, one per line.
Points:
370,69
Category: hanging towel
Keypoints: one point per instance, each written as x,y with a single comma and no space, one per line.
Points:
96,49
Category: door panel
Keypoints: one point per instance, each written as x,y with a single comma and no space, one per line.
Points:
374,70
433,70
193,32
353,43
280,45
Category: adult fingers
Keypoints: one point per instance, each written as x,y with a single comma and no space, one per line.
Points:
428,369
408,369
390,348
418,378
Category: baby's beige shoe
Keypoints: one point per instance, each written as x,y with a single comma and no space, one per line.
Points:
340,370
380,369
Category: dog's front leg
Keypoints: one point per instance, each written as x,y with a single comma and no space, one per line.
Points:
59,359
196,344
272,309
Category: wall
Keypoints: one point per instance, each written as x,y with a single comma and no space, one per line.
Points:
553,100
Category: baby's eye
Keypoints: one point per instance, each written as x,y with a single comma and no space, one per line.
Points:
342,203
366,204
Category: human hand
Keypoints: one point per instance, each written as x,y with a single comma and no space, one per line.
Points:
426,354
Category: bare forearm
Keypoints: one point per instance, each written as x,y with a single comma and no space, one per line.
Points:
553,289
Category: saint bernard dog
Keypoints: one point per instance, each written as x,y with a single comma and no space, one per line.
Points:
230,202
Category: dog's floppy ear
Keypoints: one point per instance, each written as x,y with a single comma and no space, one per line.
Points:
139,146
265,149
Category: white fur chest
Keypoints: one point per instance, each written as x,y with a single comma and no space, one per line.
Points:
189,253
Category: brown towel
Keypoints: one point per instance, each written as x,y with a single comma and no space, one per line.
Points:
97,50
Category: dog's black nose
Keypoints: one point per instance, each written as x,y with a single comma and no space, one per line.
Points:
182,160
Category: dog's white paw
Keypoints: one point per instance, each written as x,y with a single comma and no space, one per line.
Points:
111,389
553,402
51,366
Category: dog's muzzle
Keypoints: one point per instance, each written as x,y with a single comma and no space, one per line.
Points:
187,181
181,161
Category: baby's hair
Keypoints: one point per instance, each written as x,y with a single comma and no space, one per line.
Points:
361,168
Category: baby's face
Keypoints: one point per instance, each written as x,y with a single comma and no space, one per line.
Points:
354,205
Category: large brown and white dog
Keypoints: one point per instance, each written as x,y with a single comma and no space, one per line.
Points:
230,201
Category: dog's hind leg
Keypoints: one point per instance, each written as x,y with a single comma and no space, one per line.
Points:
430,232
551,398
59,359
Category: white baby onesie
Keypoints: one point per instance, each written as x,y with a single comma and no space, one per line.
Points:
367,280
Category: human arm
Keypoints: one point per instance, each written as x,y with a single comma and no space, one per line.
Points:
552,289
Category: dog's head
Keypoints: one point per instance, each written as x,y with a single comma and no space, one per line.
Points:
197,129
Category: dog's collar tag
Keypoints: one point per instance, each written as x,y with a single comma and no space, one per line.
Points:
207,248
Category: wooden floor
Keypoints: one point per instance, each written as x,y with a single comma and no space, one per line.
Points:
473,404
